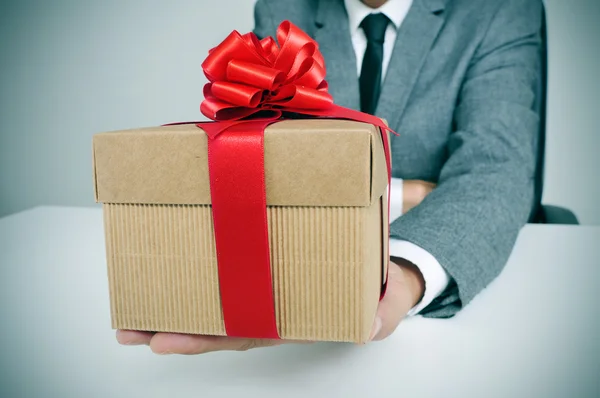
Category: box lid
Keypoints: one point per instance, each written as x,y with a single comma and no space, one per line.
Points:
307,163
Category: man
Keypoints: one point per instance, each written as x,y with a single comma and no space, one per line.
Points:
457,79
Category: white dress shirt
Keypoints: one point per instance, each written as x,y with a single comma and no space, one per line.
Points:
435,277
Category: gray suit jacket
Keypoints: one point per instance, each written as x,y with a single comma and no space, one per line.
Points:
460,91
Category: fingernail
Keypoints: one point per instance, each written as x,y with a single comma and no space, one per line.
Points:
133,342
126,342
376,328
165,353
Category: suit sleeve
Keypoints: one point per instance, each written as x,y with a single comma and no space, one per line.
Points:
485,192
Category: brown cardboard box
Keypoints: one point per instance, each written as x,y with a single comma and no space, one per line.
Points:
327,212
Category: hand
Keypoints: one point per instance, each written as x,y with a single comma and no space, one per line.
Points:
405,289
413,193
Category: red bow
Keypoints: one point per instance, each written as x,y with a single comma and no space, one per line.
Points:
251,84
248,76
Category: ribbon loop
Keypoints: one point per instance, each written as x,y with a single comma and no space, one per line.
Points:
254,75
237,94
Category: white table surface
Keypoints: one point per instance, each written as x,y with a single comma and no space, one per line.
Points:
535,332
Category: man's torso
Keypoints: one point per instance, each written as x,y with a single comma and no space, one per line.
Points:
434,48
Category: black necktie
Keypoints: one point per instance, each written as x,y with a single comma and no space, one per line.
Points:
374,27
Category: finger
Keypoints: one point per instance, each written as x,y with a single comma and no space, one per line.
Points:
393,307
173,343
133,337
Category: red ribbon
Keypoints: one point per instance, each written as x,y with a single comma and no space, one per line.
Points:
253,83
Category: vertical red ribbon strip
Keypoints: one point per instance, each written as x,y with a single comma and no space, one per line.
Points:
239,206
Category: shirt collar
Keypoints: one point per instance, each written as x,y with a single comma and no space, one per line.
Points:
357,11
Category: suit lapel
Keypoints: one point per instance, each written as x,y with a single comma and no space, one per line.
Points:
332,34
413,42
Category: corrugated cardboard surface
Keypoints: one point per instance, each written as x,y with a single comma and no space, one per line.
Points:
307,163
326,267
326,242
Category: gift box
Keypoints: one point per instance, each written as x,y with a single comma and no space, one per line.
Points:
270,222
326,206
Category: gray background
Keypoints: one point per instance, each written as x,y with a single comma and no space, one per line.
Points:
70,69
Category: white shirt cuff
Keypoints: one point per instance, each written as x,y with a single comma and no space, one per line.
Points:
396,198
435,276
